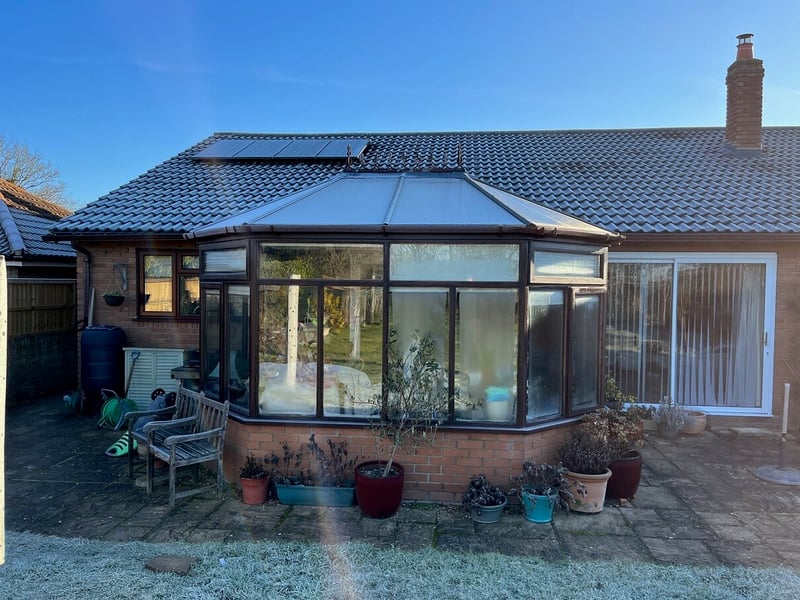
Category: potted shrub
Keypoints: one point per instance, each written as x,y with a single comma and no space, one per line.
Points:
253,479
620,427
670,419
413,402
324,479
542,488
483,500
586,457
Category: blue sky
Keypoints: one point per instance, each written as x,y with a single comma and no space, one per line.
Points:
105,90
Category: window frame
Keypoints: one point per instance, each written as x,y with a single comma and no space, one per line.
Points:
178,271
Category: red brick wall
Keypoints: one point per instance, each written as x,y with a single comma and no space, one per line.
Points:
143,333
436,473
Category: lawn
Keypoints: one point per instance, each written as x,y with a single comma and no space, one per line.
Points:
47,567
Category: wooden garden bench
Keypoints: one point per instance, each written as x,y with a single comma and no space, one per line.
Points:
201,441
186,403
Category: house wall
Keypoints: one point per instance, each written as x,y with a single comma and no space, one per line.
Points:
141,332
437,473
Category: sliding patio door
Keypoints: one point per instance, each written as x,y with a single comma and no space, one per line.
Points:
696,328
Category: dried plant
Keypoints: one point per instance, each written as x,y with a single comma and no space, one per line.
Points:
481,492
252,469
329,468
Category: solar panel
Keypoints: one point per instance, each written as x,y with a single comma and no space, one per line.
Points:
263,149
284,148
302,149
223,149
338,148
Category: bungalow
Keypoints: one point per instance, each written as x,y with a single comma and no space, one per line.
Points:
41,295
540,260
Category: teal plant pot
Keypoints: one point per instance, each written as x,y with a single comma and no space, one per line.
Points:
538,509
312,495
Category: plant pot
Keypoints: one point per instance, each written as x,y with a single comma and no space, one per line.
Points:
588,491
113,300
695,422
538,507
315,495
379,497
487,514
668,433
254,491
626,473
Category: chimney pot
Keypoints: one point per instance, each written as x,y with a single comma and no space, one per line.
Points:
744,49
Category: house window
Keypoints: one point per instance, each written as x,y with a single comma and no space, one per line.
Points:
694,327
169,284
545,353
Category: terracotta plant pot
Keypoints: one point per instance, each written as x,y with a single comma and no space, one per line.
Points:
626,473
254,491
695,422
588,491
379,497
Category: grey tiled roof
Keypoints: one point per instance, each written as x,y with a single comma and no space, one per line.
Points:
21,234
632,181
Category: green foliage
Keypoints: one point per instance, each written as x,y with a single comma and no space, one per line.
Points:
414,399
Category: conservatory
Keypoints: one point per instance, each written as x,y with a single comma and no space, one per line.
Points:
300,297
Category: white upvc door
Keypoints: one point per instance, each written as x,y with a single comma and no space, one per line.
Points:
697,327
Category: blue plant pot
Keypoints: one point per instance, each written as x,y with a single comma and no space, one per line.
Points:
538,509
487,514
312,495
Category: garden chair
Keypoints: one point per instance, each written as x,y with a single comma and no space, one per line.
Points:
186,402
203,443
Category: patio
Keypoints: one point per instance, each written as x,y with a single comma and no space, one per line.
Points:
699,504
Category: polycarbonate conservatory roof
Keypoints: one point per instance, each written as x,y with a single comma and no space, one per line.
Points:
407,201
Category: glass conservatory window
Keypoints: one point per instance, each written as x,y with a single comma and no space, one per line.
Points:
545,353
287,351
424,311
352,350
584,345
486,355
321,261
211,342
237,344
454,262
225,260
566,264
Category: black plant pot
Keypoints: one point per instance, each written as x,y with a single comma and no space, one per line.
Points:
626,473
113,300
379,497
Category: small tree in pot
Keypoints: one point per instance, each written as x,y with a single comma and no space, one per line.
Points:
408,412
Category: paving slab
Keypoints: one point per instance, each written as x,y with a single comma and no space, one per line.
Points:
698,503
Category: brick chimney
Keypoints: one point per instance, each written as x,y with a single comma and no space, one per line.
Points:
745,83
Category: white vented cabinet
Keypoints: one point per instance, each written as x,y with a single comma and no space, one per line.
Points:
149,368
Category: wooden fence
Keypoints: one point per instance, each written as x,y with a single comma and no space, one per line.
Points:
42,337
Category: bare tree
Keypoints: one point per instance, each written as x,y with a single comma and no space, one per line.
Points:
30,171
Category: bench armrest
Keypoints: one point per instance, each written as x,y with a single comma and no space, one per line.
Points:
174,440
